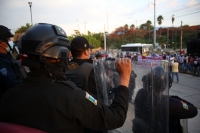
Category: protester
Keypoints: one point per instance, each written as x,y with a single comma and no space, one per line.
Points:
170,64
175,71
180,61
164,62
196,66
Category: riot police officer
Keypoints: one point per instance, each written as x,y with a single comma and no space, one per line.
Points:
151,106
46,101
80,69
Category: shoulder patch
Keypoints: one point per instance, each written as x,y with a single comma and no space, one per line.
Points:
91,99
3,71
185,106
72,66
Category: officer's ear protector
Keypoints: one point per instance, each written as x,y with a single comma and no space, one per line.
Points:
30,61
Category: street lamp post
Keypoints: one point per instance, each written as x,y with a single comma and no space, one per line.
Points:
135,21
104,38
181,38
154,22
154,40
30,4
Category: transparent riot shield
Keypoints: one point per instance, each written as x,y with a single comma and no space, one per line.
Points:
148,95
106,78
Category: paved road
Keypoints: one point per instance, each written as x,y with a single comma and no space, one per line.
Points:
188,88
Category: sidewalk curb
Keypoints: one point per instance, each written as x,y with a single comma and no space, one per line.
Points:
190,73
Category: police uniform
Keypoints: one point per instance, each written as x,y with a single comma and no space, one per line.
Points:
57,108
153,109
8,77
90,86
178,109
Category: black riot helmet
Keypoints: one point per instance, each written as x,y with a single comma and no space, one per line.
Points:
158,79
5,33
44,41
98,54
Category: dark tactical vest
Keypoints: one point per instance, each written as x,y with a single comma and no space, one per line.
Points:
79,74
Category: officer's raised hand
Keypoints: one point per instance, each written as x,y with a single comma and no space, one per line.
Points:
123,67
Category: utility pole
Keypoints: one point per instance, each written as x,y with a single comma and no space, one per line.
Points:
30,4
176,35
104,38
77,25
154,35
154,22
167,35
172,26
181,38
107,21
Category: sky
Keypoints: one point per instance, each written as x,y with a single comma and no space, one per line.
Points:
98,16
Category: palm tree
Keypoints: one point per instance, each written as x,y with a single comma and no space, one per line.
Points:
148,23
172,25
132,26
159,19
173,18
143,26
126,25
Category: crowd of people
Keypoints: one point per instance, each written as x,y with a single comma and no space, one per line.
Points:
59,95
186,63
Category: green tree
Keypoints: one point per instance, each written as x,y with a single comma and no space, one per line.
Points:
126,25
23,29
94,39
159,19
100,37
122,35
143,26
162,40
132,26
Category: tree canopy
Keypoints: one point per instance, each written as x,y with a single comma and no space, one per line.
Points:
23,29
159,19
129,34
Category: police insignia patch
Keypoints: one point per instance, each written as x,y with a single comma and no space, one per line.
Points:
91,99
72,66
185,106
3,71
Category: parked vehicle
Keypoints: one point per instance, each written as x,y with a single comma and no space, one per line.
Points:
137,48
